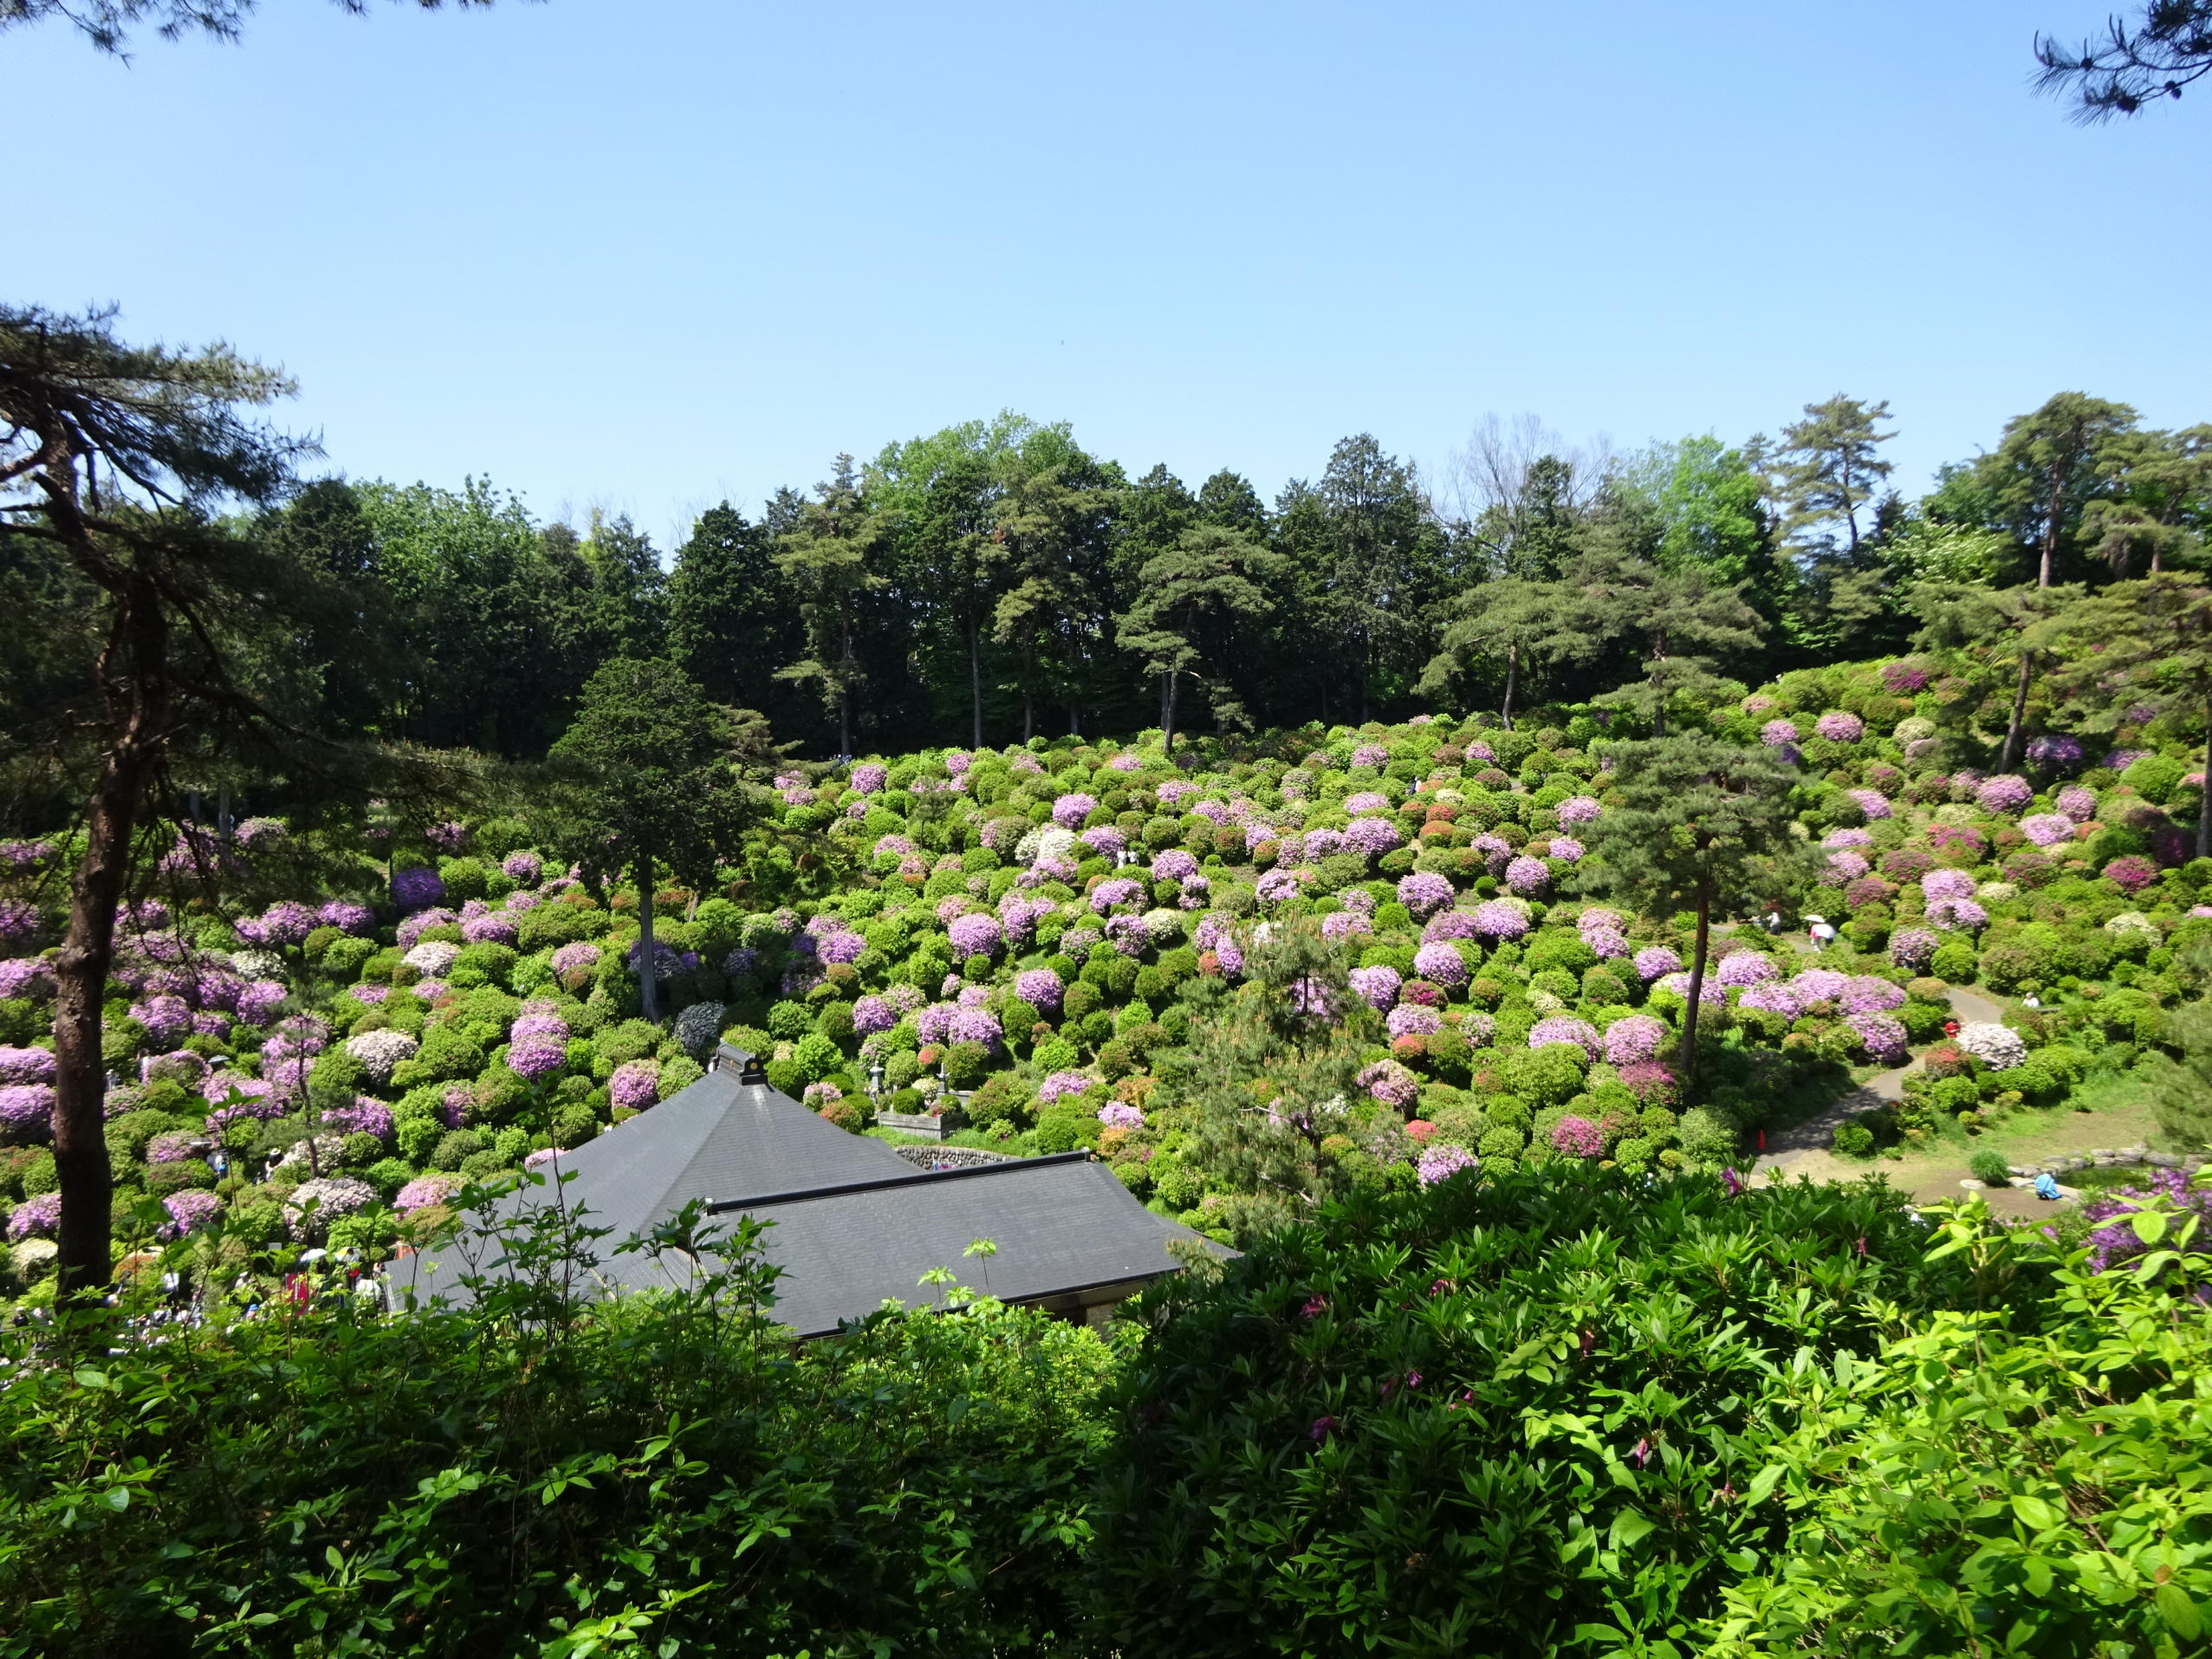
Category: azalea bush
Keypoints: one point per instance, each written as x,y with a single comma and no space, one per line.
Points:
539,1474
1527,1414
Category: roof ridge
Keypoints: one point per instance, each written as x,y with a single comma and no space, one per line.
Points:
723,1206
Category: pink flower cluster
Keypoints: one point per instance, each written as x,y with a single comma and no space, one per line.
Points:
1424,893
1114,891
1565,1028
2004,794
1412,1020
1635,1037
1441,1162
1872,802
974,935
1378,985
1577,1137
1840,725
1061,1085
1441,964
1745,968
1070,810
1391,1082
1373,836
1496,919
1580,809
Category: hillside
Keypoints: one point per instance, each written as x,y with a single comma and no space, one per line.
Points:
1053,934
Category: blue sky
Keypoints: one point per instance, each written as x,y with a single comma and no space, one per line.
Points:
646,256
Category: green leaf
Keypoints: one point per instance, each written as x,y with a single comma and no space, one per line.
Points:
1631,1527
2179,1611
1763,1484
117,1499
2149,1225
2035,1511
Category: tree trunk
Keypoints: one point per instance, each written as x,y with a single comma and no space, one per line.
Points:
2204,794
1697,988
1174,691
2020,712
975,679
844,728
648,983
2051,518
140,645
1512,679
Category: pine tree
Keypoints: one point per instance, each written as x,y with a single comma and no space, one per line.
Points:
653,781
2018,626
1509,621
1681,621
1831,467
2147,641
1188,596
828,560
2047,469
1270,1066
1044,550
1698,822
113,459
2160,505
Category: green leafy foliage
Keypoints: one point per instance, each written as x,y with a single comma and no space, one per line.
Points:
1514,1415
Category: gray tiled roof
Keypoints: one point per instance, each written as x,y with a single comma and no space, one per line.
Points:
1061,1224
853,1223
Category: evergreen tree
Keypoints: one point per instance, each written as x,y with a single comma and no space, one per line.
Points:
628,588
1681,621
651,769
1269,1066
2014,628
1188,597
730,618
2136,642
1512,621
112,460
828,560
2047,469
1697,822
2169,48
1378,542
1046,549
1832,470
942,492
2160,502
1151,514
1229,500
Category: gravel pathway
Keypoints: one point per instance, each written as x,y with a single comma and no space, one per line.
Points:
1787,1149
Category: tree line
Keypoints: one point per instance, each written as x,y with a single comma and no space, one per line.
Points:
995,580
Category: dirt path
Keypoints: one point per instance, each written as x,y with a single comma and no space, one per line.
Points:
1804,1147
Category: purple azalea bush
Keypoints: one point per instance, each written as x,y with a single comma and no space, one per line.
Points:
1565,1028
